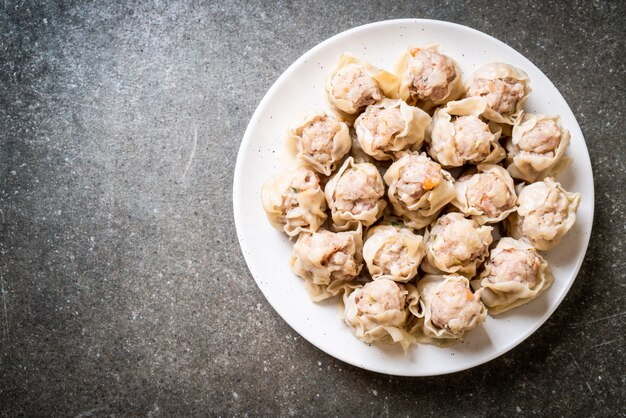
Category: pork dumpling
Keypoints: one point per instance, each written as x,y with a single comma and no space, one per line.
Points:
418,188
544,215
458,134
536,147
354,195
487,196
455,244
378,311
294,201
393,252
390,126
354,84
505,88
448,309
428,78
328,261
320,141
514,274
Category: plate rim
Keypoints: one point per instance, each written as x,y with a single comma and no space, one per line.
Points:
238,184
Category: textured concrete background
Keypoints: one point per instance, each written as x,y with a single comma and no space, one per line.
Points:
123,289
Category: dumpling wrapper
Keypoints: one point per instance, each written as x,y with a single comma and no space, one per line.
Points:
453,88
442,129
505,295
535,202
381,327
466,183
421,213
322,278
348,110
426,331
309,213
454,231
396,246
499,70
416,122
532,166
341,142
345,219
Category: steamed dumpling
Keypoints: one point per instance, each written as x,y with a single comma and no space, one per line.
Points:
487,196
393,252
455,244
377,311
459,135
327,261
514,274
505,88
545,213
418,188
354,84
294,201
536,147
354,195
390,126
428,78
448,309
320,141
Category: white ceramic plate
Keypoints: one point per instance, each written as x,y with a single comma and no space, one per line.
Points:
267,251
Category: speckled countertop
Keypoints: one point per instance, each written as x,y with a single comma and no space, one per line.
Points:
122,287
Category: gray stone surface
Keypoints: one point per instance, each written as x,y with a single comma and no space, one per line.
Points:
122,287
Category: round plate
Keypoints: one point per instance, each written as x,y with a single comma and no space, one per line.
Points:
267,251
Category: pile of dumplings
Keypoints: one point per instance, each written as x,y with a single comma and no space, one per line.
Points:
399,194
